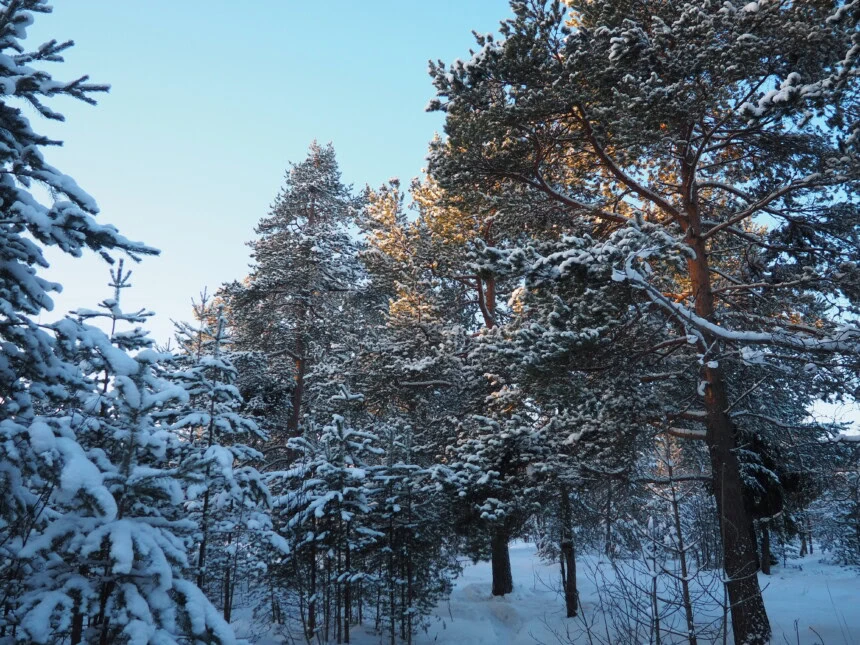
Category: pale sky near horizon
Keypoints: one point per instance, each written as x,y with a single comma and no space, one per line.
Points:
209,102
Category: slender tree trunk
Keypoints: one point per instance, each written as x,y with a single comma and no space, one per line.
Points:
402,600
77,627
750,624
77,633
571,594
312,587
682,559
410,598
327,598
392,592
608,513
655,606
210,439
201,554
503,581
228,595
230,575
568,555
275,620
347,590
299,387
378,621
102,618
338,598
764,528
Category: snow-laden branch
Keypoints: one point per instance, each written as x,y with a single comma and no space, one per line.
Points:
426,384
846,342
687,433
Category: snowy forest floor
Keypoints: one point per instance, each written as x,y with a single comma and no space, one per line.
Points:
809,602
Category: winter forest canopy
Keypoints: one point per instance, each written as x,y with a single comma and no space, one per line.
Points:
599,324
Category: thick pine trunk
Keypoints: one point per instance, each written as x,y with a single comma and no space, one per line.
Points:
750,624
503,581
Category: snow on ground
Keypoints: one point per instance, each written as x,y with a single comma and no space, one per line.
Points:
823,599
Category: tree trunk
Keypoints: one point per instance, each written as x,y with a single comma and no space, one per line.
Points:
410,598
608,541
655,605
503,581
347,590
201,554
298,389
682,559
571,594
299,349
750,624
326,598
568,556
312,589
765,547
77,627
228,595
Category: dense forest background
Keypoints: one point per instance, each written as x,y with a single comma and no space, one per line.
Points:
599,323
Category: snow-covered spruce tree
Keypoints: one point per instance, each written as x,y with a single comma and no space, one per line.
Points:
304,267
414,559
323,503
700,119
835,514
41,460
116,566
231,505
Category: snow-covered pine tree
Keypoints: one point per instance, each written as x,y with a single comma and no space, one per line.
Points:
439,301
231,505
410,366
707,121
304,268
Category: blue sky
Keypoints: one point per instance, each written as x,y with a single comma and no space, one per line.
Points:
209,102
